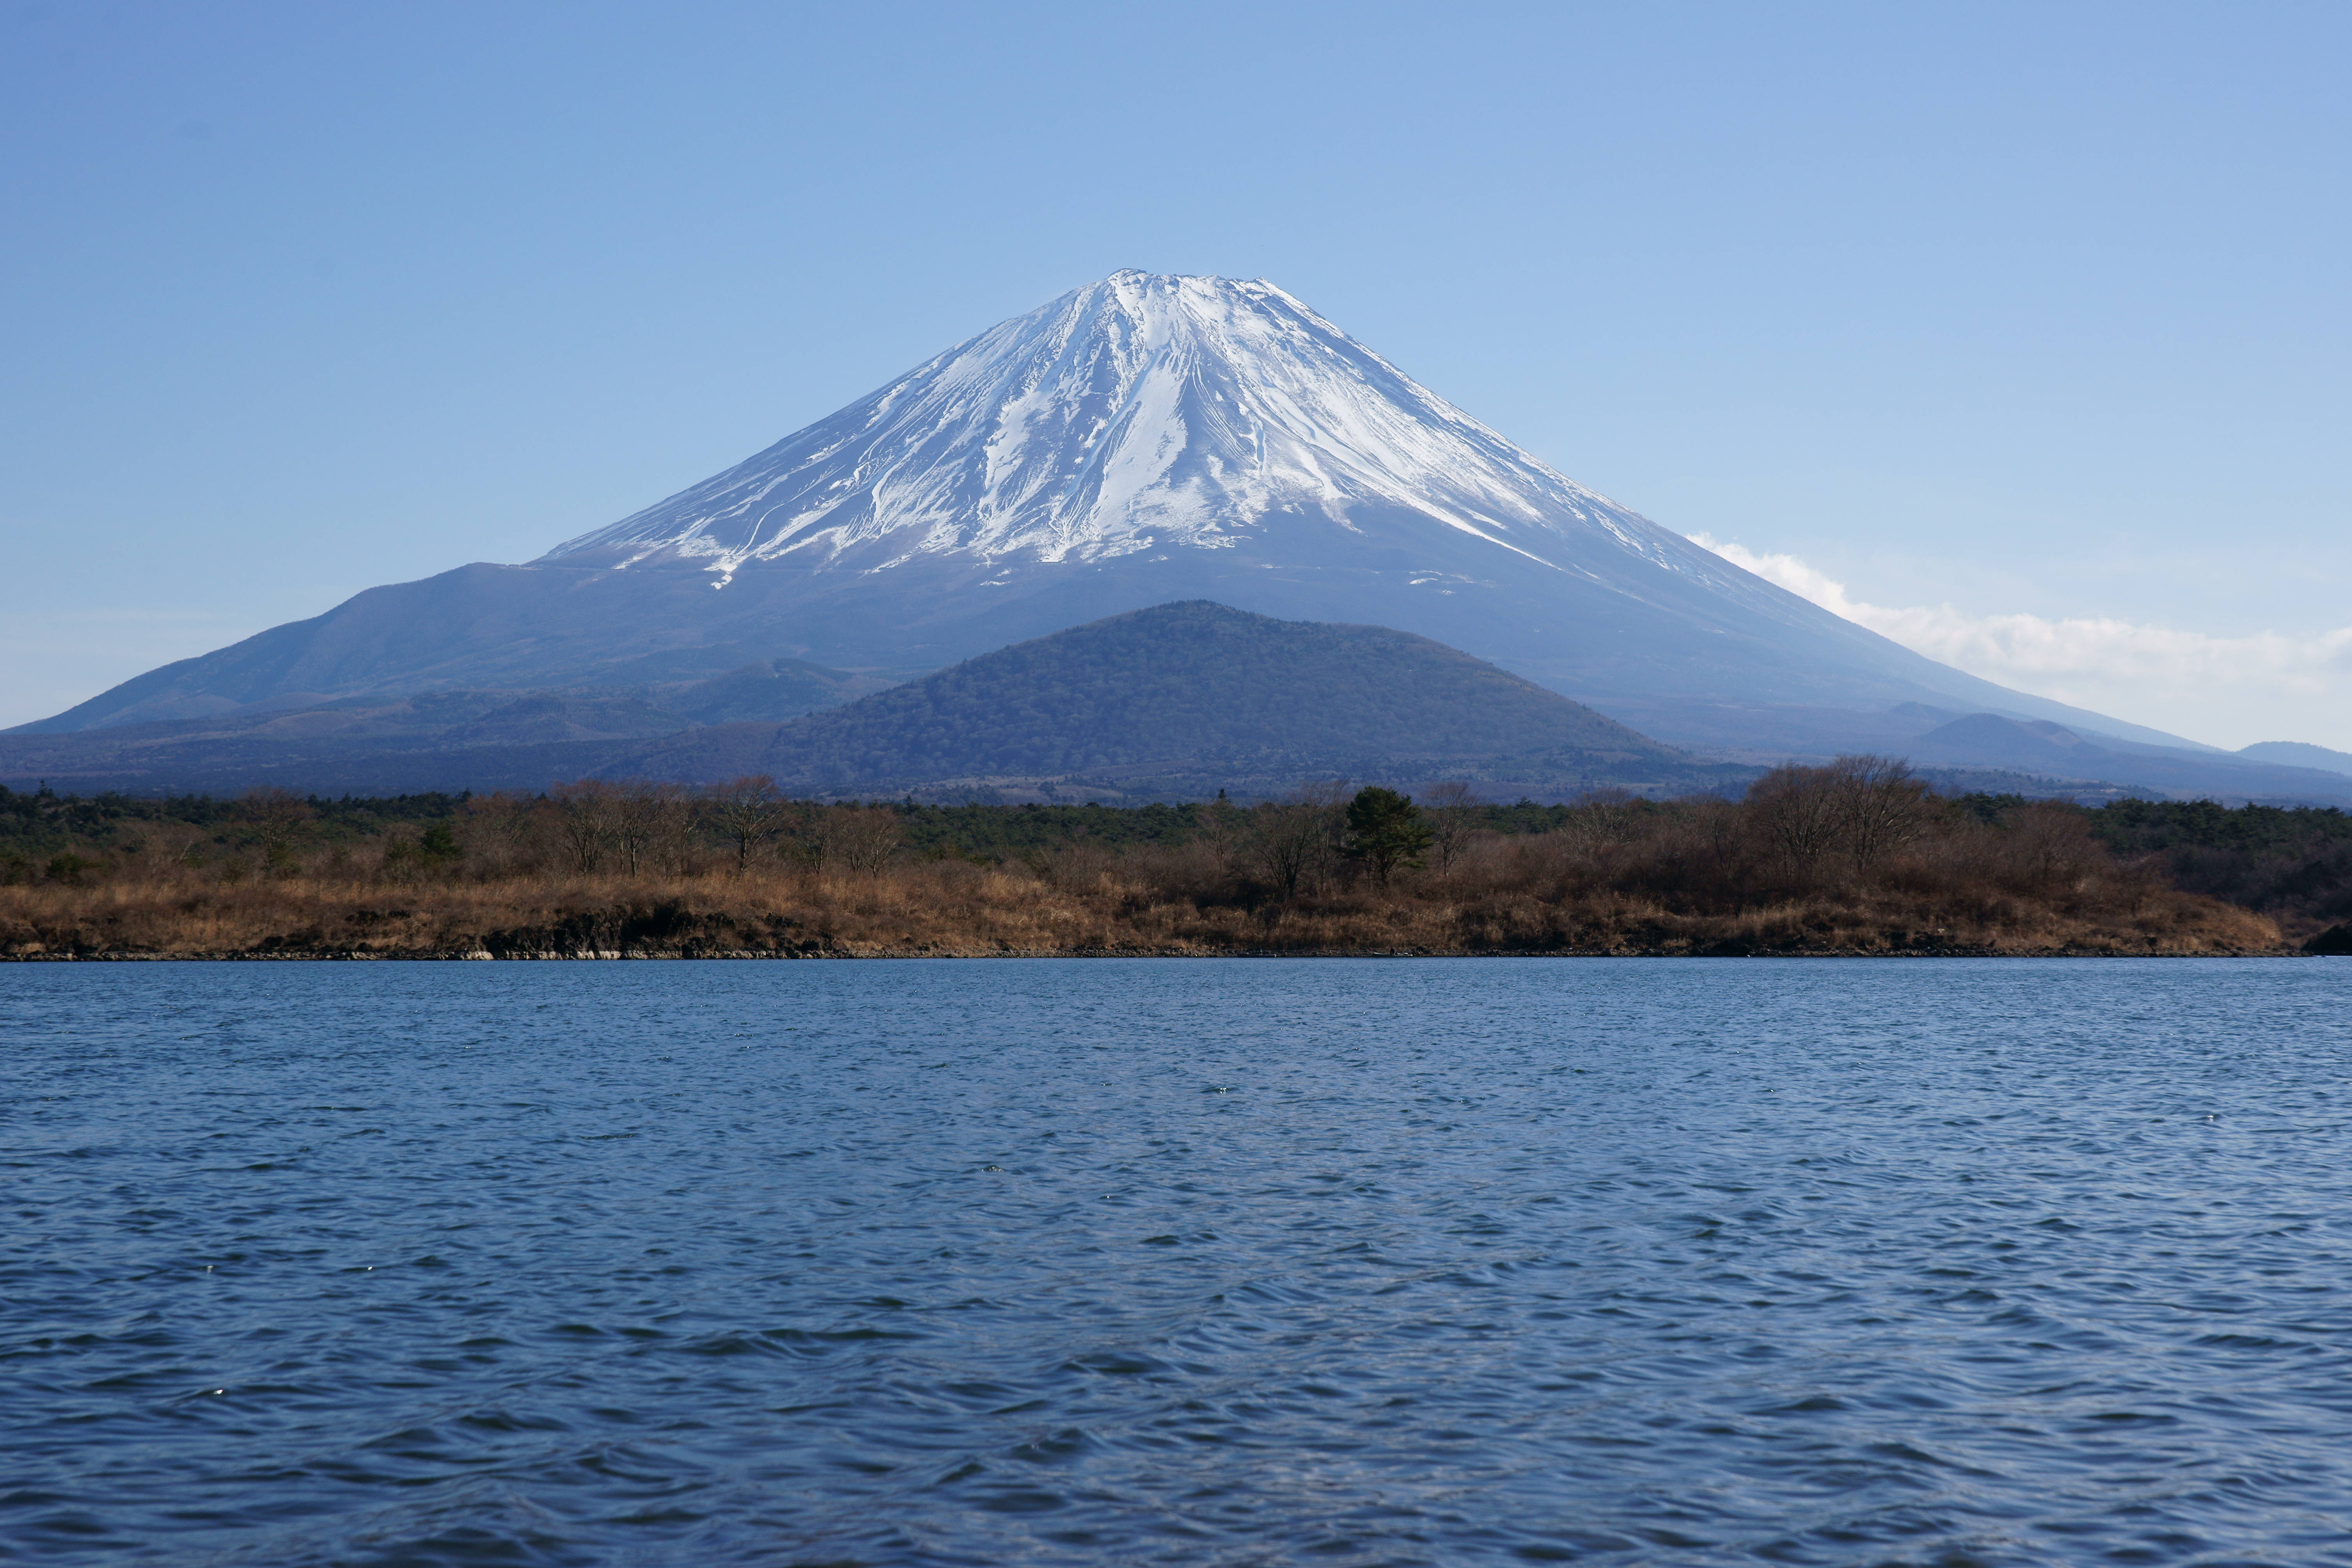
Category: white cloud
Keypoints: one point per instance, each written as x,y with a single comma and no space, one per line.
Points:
2227,691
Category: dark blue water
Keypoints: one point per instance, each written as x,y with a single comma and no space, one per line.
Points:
1198,1262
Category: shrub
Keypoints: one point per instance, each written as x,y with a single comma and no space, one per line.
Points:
69,869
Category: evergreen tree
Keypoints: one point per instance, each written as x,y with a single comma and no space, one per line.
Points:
1385,830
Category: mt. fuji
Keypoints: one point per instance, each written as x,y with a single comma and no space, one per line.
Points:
1144,439
1144,413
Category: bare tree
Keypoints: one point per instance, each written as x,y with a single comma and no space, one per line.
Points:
1218,828
1801,812
1451,810
1883,805
747,812
1714,825
857,838
585,812
498,829
274,817
1077,866
675,841
1862,806
648,819
2047,844
1284,838
1599,820
1327,798
1297,840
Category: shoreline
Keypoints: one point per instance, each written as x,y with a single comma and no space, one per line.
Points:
898,955
712,876
2050,894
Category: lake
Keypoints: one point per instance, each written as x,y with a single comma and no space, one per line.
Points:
1214,1261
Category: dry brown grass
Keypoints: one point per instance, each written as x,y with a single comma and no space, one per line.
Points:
1559,893
1852,858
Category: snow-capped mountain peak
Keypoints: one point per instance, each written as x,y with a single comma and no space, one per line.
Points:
1143,440
1146,412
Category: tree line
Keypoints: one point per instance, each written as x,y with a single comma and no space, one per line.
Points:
1859,828
1796,828
1856,854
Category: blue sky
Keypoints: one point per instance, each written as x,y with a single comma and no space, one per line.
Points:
2021,330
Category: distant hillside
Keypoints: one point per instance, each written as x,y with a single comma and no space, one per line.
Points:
1184,699
2052,751
426,741
2297,755
1193,695
767,691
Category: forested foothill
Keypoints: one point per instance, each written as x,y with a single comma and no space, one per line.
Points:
1165,703
1859,857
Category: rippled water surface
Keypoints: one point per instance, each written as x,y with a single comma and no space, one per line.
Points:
1198,1262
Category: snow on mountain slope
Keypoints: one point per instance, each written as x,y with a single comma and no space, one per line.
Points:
1142,440
1143,412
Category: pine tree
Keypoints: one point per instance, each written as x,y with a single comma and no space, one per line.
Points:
1385,830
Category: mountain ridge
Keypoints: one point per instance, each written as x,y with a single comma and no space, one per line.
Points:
1192,695
1172,701
1142,439
2298,754
2052,751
